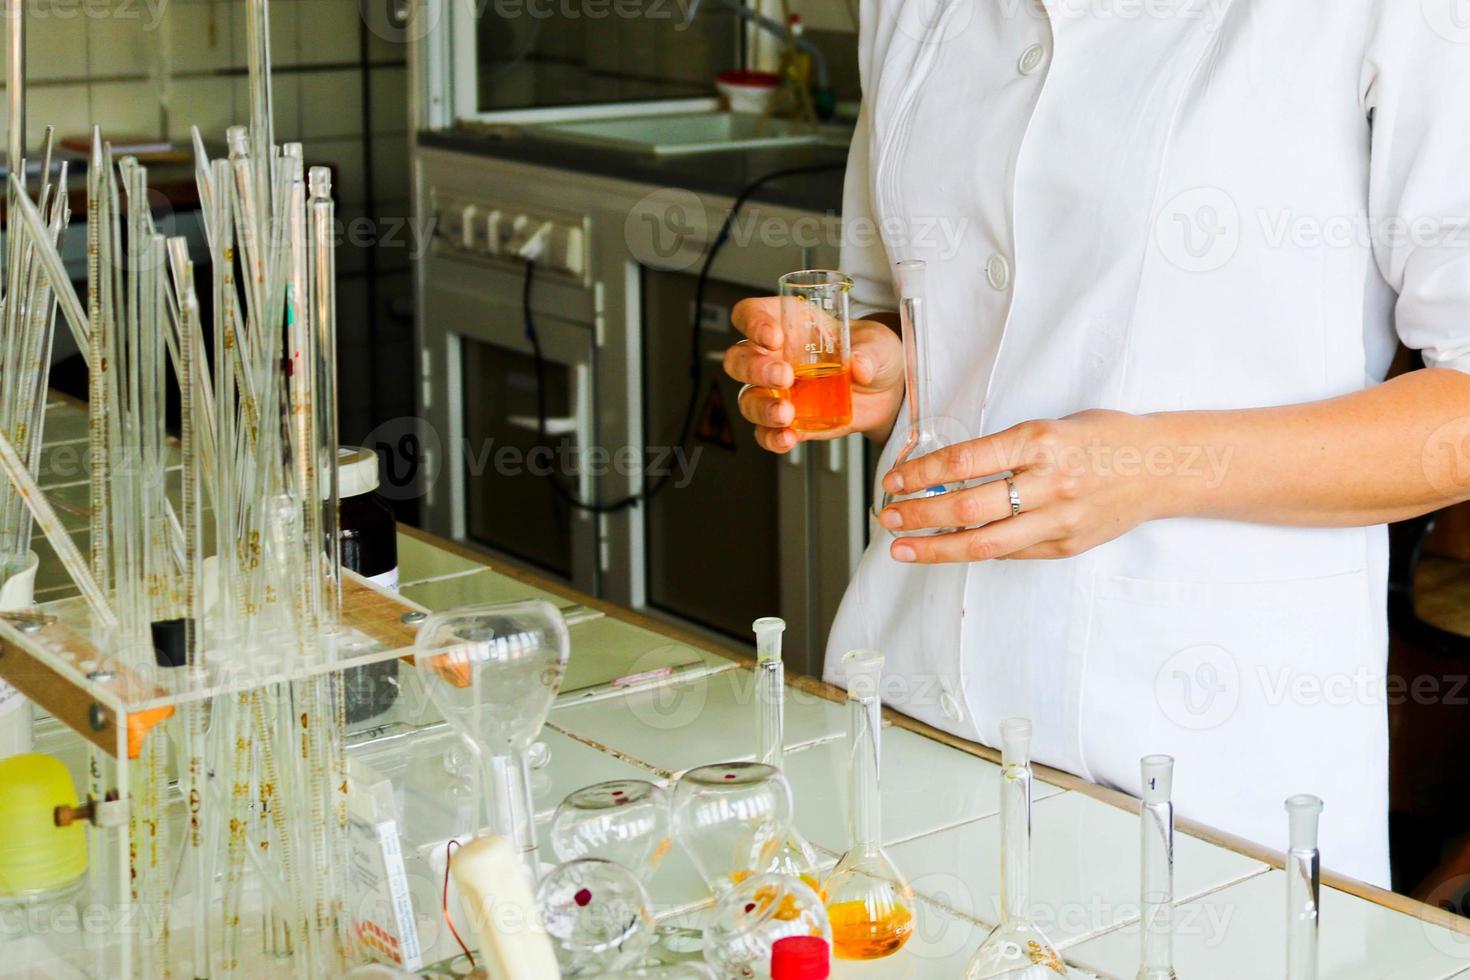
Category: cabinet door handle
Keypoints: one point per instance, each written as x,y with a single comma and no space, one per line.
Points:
835,454
561,425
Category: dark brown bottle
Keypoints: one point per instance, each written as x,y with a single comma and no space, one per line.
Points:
367,539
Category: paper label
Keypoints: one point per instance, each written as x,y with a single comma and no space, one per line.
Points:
10,699
385,922
386,580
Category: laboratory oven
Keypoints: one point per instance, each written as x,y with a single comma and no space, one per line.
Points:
545,462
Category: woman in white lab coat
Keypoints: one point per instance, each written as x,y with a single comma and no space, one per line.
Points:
1171,248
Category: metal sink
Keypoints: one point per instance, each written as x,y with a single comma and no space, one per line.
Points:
691,132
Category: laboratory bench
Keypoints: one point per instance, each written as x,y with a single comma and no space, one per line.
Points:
642,699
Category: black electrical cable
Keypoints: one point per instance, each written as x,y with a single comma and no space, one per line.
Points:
696,358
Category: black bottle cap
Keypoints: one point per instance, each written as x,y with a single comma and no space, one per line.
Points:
169,641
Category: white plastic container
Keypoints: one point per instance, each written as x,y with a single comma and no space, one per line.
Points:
17,592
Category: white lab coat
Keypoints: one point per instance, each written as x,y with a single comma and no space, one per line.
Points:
1154,205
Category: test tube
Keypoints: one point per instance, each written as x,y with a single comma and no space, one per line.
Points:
770,680
1303,887
1157,877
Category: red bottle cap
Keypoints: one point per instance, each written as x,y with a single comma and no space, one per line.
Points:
800,958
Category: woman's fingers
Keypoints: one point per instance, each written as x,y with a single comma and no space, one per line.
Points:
761,406
953,464
751,364
776,440
995,540
965,508
759,319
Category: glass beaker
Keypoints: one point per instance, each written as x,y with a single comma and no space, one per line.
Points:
731,818
750,918
596,913
869,901
623,820
1156,877
794,856
1016,949
1303,887
923,435
814,328
493,671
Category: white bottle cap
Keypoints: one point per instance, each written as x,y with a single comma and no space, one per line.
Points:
1302,811
1158,778
357,471
1015,742
864,670
768,630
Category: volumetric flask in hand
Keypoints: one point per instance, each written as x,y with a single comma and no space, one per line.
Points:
814,327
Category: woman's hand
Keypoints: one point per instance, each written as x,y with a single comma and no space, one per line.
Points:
1081,481
877,376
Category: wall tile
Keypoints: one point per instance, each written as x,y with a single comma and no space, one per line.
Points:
390,167
331,104
56,43
123,42
126,108
63,106
329,31
204,102
199,35
390,100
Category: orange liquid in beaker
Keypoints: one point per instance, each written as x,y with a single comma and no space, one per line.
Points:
855,936
822,394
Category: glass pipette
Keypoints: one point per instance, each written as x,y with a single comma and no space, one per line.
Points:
1156,839
1303,887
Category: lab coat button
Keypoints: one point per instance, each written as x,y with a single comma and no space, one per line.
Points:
998,272
1031,59
951,707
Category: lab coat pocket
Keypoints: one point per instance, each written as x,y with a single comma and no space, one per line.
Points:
1259,689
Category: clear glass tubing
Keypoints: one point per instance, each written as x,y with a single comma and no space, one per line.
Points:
1156,876
923,437
770,680
1303,887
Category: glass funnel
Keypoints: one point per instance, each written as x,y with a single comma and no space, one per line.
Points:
730,818
869,901
1016,949
623,820
794,856
923,436
1156,877
597,915
750,918
1303,887
493,671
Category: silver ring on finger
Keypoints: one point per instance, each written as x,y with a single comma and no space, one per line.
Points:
1014,495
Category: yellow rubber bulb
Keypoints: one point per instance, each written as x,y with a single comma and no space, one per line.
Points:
36,856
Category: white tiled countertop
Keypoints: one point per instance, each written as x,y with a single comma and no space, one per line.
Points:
939,815
691,705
